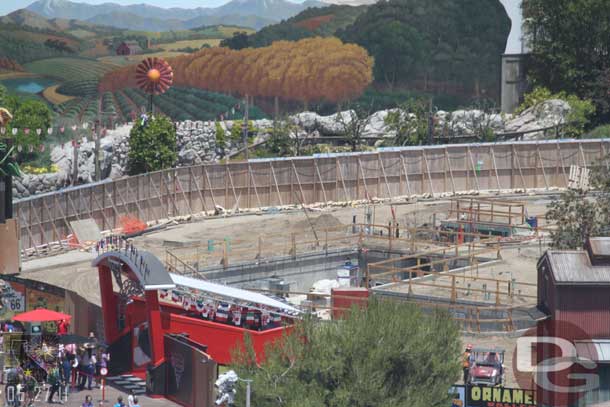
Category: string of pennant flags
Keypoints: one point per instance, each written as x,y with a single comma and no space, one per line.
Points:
40,132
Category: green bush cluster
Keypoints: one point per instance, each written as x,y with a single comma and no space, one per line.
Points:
152,145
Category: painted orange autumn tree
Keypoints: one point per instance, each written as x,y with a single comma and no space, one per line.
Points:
309,70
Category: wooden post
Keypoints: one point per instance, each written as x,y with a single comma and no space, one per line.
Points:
293,250
225,255
497,292
413,232
260,247
453,289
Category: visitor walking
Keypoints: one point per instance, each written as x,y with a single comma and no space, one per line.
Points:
87,368
119,402
88,402
66,375
53,379
131,399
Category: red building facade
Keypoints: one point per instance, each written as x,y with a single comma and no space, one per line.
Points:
574,291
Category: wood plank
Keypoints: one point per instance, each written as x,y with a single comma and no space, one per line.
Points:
201,199
448,161
315,164
277,187
474,169
546,183
404,166
207,177
423,152
493,160
385,176
251,175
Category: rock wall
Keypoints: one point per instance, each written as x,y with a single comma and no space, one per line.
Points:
197,144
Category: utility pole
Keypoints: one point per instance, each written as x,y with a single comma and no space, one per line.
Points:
245,126
430,125
74,157
98,125
6,190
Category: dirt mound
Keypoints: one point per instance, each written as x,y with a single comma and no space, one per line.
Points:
324,221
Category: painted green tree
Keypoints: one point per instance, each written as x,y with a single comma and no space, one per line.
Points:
152,145
384,355
443,45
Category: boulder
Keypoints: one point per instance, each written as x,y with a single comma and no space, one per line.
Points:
547,114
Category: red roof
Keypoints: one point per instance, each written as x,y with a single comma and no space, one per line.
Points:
41,315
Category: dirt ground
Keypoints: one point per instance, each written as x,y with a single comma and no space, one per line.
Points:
245,234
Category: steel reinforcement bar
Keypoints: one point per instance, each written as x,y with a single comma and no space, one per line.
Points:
387,173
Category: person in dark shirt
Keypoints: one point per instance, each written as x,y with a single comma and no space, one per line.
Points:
54,380
66,373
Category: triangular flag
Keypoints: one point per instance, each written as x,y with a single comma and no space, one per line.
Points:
39,131
14,131
62,129
26,131
50,131
3,130
42,148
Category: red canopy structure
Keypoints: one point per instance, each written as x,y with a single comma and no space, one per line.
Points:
41,315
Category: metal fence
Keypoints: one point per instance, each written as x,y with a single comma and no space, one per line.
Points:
322,178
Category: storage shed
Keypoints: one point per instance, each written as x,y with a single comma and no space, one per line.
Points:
574,291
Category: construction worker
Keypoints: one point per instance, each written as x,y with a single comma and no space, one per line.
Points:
466,362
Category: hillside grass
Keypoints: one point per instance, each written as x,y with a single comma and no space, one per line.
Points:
70,69
4,75
132,59
81,33
175,46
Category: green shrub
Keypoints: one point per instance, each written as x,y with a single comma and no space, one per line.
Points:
221,138
152,145
237,130
600,132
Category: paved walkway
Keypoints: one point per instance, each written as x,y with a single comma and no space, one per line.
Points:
77,398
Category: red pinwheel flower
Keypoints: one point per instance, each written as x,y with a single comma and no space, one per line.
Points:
154,76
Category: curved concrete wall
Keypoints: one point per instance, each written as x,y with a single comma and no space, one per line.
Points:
430,171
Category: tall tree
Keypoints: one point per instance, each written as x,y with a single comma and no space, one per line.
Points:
383,355
28,116
570,43
579,214
353,124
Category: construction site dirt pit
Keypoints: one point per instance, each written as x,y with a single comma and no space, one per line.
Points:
513,277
